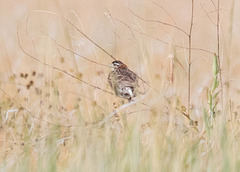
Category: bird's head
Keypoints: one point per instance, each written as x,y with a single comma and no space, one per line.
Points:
118,64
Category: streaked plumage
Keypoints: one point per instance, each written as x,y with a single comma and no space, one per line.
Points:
123,81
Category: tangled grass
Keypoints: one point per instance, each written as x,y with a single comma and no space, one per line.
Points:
59,114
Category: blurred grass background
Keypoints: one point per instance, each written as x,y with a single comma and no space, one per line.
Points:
49,119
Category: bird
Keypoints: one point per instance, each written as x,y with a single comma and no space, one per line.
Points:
123,81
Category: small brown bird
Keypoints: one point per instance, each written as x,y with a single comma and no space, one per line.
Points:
123,81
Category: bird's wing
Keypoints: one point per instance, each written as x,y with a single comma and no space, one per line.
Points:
127,75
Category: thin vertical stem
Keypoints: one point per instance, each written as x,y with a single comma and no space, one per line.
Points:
218,51
190,58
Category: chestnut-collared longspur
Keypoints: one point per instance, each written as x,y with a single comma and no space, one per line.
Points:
123,81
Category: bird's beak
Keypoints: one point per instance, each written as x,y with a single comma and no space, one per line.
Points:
111,66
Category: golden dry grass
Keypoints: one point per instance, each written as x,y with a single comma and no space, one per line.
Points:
50,111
